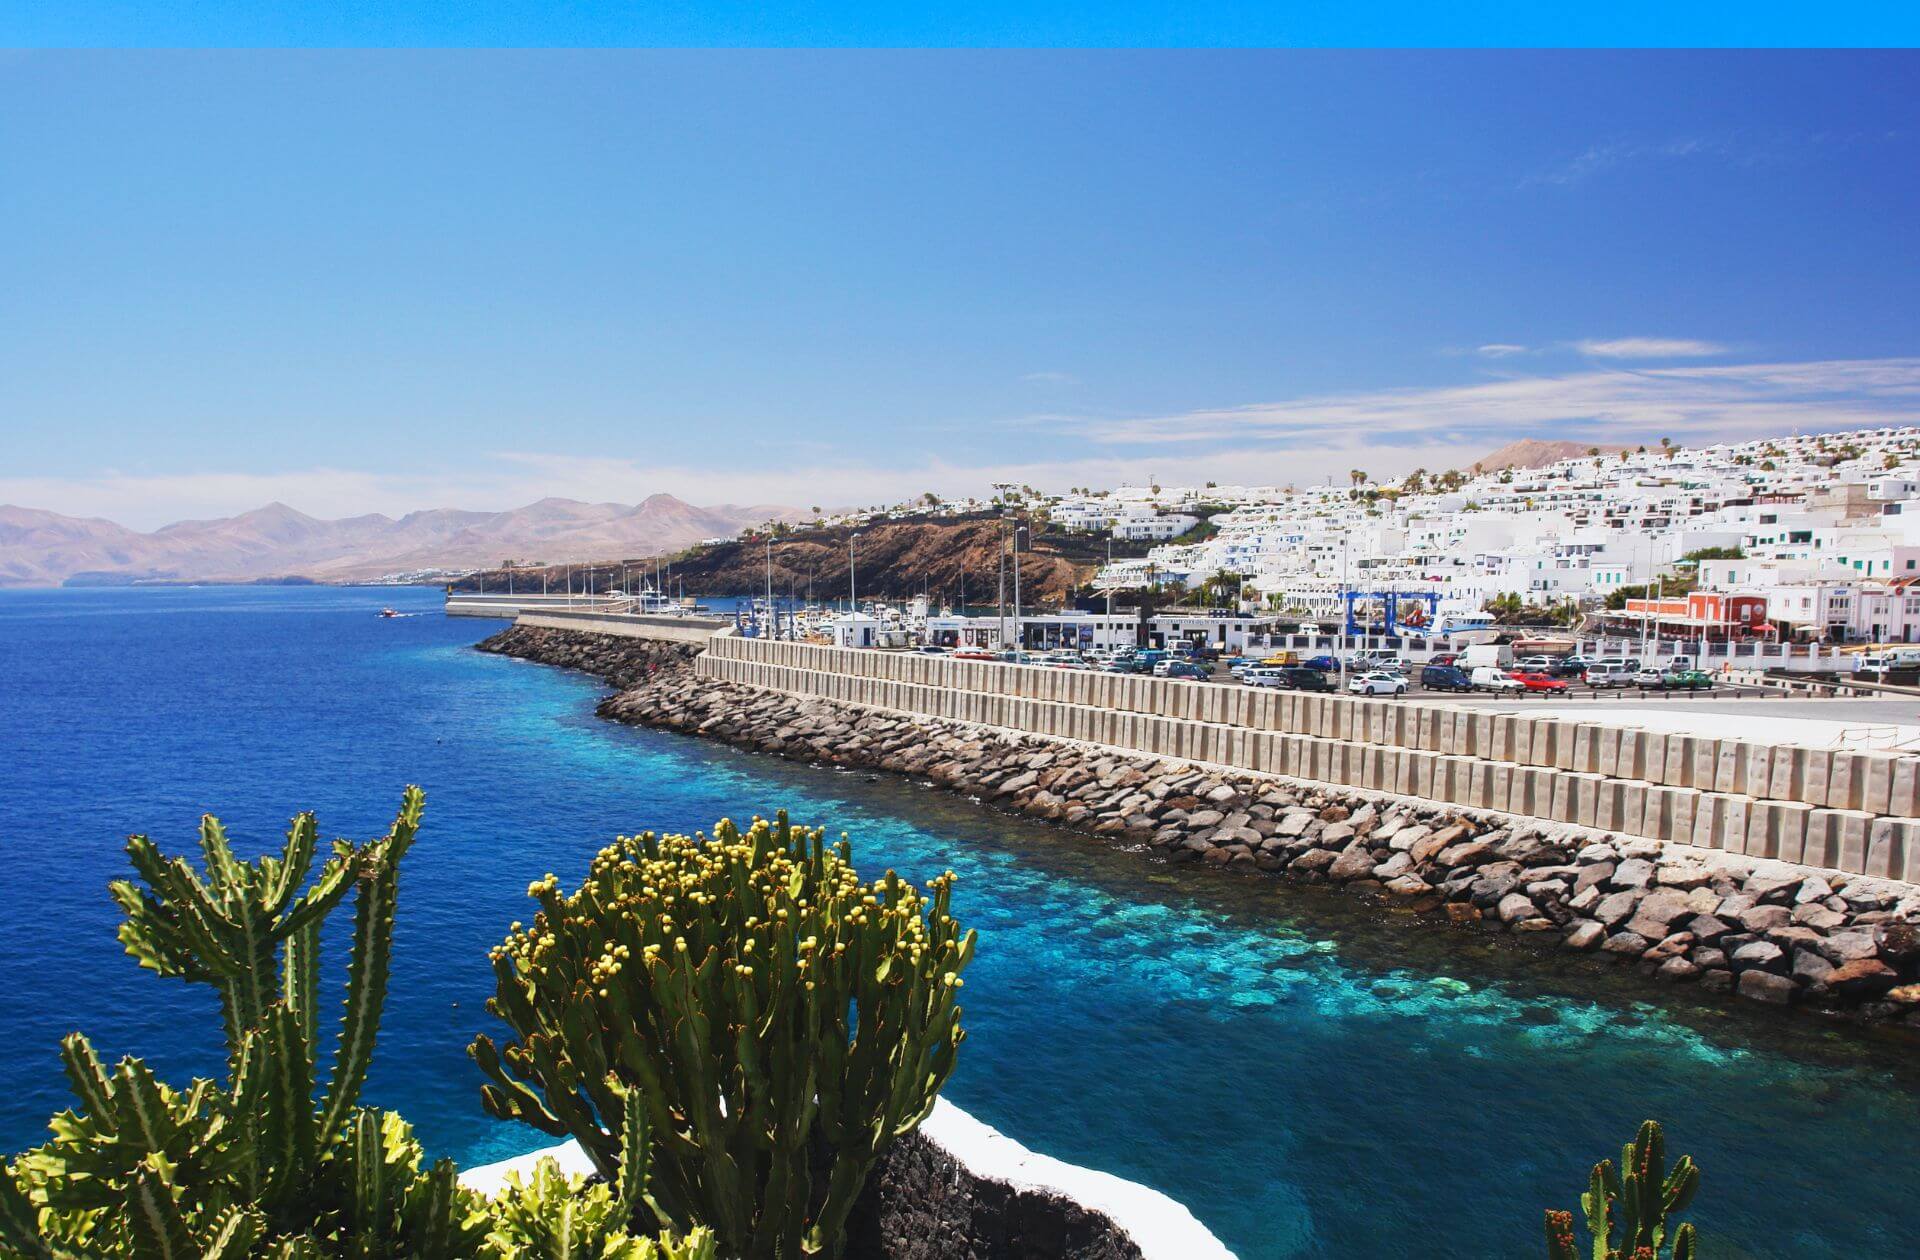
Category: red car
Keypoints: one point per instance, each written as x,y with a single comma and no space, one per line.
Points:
1539,682
974,654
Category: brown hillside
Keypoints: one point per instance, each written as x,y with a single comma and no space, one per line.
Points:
1538,453
892,560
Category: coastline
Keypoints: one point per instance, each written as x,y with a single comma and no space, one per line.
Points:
1843,947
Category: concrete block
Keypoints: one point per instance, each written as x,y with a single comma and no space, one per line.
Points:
1609,804
1788,779
1481,729
1876,782
1843,781
1709,821
1819,769
1904,799
1632,806
1855,827
1730,770
1886,849
1608,739
1585,758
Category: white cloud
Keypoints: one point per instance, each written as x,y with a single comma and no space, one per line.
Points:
1500,350
1648,348
1051,378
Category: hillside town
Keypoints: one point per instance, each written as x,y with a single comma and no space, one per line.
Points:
1802,539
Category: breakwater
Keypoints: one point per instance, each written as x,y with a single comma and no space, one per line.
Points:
1844,946
1710,787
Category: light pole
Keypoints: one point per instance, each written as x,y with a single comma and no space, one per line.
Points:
1019,633
1000,599
853,587
1346,611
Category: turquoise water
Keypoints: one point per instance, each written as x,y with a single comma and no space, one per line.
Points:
1310,1078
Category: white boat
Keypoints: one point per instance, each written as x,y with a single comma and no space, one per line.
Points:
1461,630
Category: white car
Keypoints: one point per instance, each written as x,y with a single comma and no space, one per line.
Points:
1378,683
1263,676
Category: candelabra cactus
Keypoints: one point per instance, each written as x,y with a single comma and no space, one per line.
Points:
1647,1196
769,1012
221,1172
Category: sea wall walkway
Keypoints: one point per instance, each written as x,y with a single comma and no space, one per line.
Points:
1857,812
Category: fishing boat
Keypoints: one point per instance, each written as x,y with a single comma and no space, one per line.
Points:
389,612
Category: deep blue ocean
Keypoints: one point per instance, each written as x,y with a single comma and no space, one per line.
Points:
1311,1079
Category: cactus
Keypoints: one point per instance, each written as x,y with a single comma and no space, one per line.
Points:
769,1013
556,1217
220,1172
1647,1196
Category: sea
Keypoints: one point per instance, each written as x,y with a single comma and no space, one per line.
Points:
1312,1078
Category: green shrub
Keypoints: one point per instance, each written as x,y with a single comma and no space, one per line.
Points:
774,1015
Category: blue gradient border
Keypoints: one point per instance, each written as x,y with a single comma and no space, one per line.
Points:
958,23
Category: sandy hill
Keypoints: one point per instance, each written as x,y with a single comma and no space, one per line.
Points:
1538,453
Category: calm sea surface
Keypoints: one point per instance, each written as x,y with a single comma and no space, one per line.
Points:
1311,1080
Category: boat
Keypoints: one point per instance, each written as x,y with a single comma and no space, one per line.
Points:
1460,630
389,612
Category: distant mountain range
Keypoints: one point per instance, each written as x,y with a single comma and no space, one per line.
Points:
40,548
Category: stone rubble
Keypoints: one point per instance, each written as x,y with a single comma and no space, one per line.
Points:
1844,945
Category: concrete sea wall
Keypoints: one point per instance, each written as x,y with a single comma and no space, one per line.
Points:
1846,946
1857,812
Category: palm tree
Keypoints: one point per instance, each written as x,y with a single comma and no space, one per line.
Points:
1667,447
1357,476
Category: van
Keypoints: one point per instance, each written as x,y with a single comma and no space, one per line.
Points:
1492,678
1445,678
1487,656
1612,671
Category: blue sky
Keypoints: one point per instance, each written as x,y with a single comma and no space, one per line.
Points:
381,281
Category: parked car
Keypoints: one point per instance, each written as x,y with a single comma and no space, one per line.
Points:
1649,677
1534,664
1323,663
1535,681
1445,678
1444,658
1612,671
975,654
1302,678
1378,683
932,649
1687,680
1181,669
1574,667
1491,678
1263,676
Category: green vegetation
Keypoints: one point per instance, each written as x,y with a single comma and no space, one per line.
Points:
1630,1211
1713,553
278,1161
772,1015
735,1029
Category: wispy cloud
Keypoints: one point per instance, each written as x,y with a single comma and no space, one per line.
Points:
1597,159
1648,348
1699,402
1501,350
1297,441
1051,378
